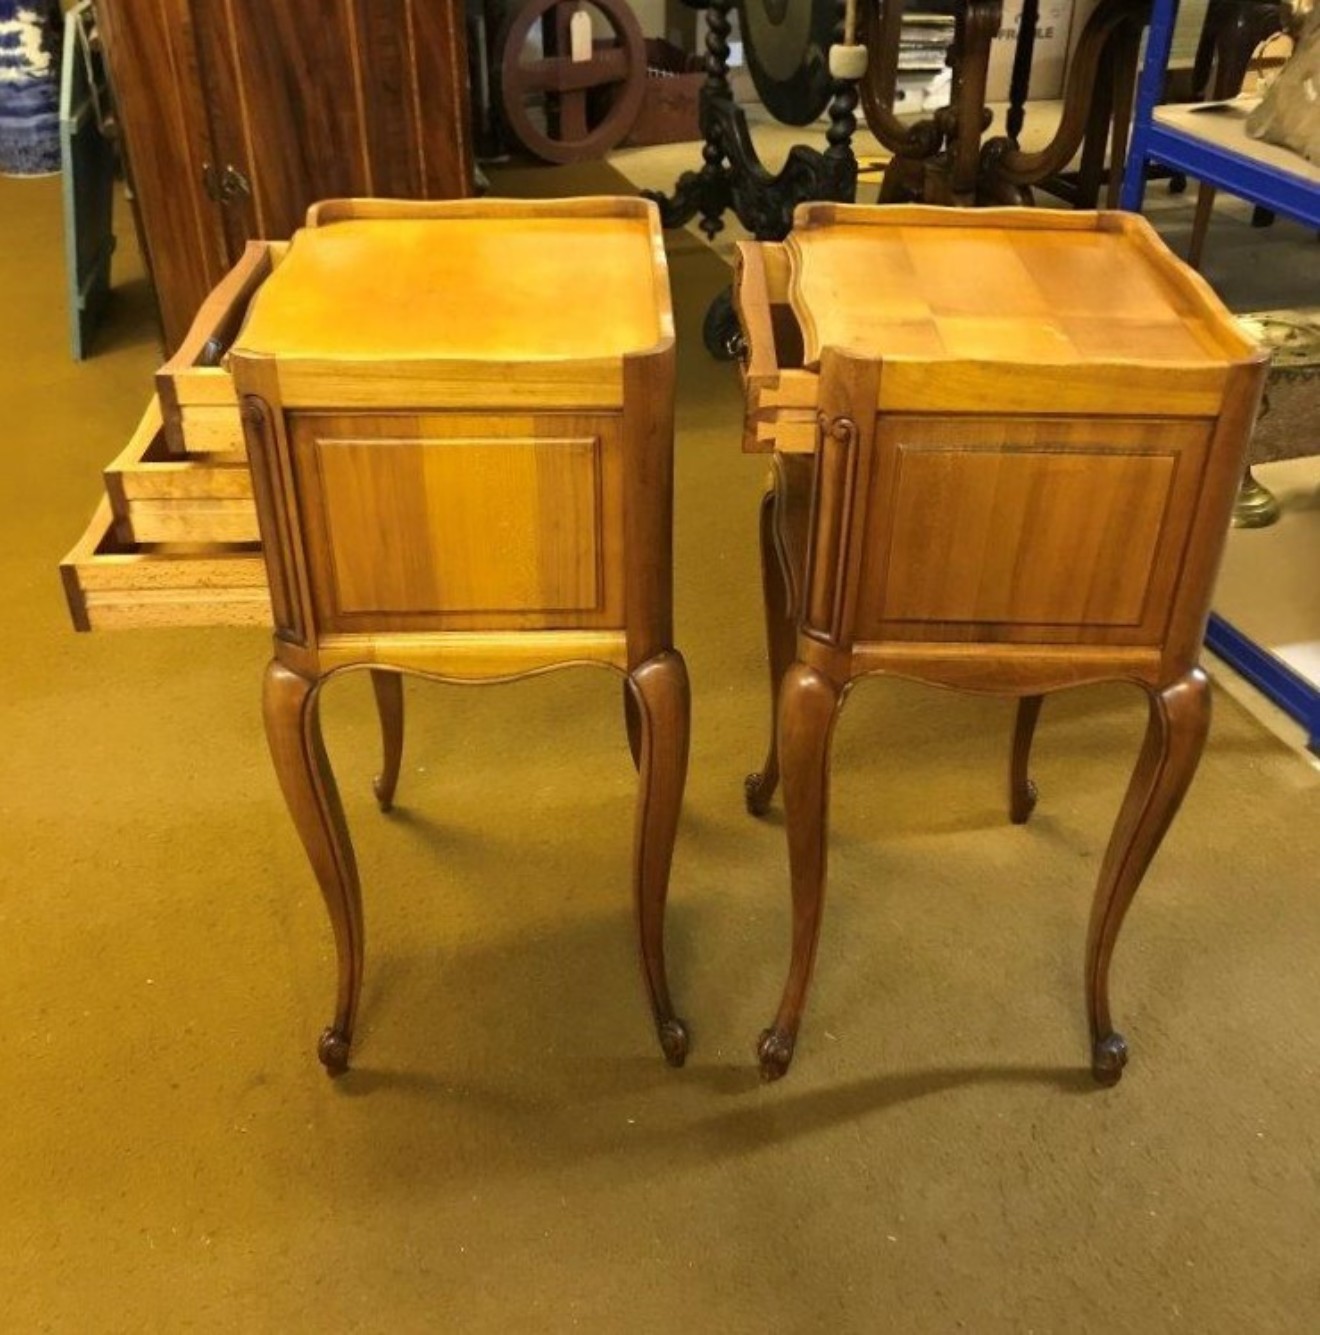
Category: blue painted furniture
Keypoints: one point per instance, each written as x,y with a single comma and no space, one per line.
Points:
1210,146
1213,151
88,157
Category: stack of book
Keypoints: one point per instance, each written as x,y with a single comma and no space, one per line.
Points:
924,79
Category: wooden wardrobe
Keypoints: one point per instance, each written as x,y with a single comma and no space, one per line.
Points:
237,115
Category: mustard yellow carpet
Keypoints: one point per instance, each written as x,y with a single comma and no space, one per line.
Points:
510,1153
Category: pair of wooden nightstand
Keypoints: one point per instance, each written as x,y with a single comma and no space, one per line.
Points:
1006,447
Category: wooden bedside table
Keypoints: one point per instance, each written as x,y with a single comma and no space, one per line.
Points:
459,424
1006,449
459,418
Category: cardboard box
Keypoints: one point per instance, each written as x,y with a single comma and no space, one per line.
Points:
1053,27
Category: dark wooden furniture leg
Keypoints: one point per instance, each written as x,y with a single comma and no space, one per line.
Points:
293,730
388,688
1022,792
759,788
956,183
632,721
1175,736
1229,38
808,706
659,689
1020,80
1126,53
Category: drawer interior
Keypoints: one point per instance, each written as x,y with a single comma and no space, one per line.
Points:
199,411
110,583
159,496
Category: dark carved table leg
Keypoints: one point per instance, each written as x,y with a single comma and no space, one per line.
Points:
293,730
1020,80
388,688
808,707
733,177
660,692
1022,792
978,22
1175,736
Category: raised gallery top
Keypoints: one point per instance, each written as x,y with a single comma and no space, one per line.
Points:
471,280
1025,286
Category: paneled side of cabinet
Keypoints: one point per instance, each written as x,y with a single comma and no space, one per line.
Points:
153,67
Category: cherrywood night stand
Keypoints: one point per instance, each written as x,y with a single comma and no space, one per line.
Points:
459,418
1006,449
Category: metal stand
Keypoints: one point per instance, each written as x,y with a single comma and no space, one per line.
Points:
734,178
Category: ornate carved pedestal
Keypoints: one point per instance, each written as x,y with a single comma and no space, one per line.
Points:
733,178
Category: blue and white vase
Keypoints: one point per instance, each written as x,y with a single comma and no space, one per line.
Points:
29,87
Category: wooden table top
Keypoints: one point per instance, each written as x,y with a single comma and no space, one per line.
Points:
1000,285
488,288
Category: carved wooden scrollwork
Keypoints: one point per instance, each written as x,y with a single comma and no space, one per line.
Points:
832,512
1106,52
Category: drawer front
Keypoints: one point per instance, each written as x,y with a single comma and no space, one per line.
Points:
158,496
200,412
111,584
780,393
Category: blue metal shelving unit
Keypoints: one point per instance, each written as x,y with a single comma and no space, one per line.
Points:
1292,193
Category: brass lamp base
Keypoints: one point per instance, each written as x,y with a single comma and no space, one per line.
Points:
1255,506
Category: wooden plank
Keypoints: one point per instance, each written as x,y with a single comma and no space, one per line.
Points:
194,520
474,385
916,386
473,655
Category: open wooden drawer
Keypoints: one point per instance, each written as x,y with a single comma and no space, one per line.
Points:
196,394
781,392
112,584
160,496
175,541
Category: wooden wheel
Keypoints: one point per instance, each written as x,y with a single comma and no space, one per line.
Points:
571,91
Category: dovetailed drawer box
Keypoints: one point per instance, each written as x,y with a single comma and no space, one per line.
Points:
175,540
158,496
780,392
111,584
195,392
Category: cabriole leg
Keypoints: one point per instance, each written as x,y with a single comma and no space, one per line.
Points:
293,730
632,721
759,788
1175,737
659,690
388,688
1022,793
808,707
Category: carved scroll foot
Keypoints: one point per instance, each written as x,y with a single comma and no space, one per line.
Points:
388,688
1175,737
1022,791
775,1053
1108,1058
674,1041
332,1050
659,689
759,789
